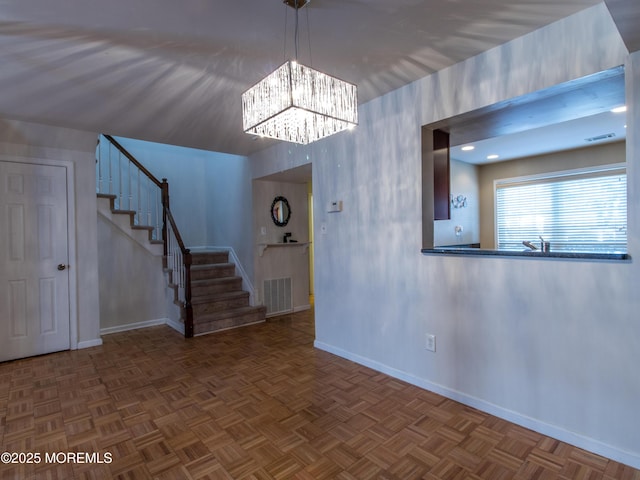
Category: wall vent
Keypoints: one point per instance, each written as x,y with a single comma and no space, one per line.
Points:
277,296
600,137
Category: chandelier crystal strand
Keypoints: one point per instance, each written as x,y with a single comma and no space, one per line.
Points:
298,104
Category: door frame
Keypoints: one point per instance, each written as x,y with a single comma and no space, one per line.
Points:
69,167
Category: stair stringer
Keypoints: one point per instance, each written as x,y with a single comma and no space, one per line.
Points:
123,221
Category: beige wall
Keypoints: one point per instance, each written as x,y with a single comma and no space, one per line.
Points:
553,162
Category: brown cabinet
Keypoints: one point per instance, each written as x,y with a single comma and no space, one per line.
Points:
441,190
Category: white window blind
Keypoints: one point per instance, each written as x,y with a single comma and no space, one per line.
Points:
575,212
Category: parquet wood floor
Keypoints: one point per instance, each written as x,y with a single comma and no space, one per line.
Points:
257,403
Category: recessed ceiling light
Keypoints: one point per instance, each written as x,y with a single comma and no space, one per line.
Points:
621,109
493,157
468,148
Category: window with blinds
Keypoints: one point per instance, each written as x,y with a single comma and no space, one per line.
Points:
582,211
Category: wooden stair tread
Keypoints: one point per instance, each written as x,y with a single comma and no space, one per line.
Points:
218,300
228,319
200,299
209,258
234,312
214,281
205,266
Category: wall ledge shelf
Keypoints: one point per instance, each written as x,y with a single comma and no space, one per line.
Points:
263,246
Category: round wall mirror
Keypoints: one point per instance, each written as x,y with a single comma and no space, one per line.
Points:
280,211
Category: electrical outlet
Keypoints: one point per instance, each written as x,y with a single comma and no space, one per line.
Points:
431,343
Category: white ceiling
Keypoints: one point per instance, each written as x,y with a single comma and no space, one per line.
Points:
570,115
578,133
173,71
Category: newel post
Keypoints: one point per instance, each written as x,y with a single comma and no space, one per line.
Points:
165,206
188,308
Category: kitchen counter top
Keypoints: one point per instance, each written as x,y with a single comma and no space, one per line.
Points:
524,254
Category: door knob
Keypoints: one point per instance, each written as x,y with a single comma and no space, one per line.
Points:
62,266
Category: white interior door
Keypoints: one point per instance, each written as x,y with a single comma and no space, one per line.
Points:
34,278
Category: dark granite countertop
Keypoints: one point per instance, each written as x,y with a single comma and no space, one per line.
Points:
526,254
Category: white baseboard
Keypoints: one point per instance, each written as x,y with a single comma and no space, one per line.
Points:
133,326
628,458
89,343
177,326
299,308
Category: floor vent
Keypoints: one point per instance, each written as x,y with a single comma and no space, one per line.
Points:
277,296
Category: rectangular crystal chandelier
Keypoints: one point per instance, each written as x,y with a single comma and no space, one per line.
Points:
298,104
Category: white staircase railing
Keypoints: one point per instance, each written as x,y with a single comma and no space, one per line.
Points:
134,188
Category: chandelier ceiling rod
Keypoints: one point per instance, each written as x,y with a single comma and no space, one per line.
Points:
296,5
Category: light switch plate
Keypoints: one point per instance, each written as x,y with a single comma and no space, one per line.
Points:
431,343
